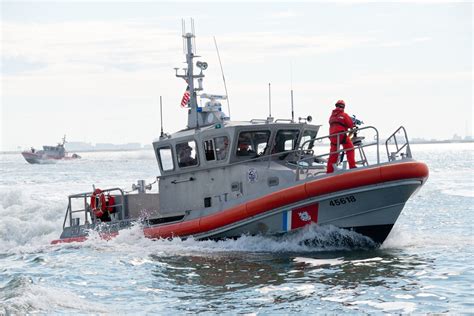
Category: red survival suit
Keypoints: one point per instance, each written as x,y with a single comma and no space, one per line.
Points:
340,122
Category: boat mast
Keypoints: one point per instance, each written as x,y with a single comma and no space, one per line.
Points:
188,42
211,113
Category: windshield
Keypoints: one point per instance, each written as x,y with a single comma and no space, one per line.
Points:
165,157
285,140
307,135
252,144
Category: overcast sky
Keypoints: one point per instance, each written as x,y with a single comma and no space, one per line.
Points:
95,71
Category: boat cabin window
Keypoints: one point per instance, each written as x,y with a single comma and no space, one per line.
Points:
216,148
285,140
307,135
252,144
165,158
209,150
187,154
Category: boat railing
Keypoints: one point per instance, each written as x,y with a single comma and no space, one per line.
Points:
259,121
306,155
87,211
401,145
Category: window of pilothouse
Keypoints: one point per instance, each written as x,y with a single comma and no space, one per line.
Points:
252,144
165,157
216,148
285,140
187,154
307,141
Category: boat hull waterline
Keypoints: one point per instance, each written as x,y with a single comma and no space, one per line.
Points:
368,201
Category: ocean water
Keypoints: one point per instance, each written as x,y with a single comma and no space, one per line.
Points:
425,266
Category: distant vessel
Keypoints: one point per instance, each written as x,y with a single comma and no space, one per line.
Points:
49,154
222,179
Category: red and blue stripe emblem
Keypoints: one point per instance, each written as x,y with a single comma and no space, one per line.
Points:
300,217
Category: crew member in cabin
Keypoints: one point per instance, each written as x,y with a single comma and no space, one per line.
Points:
222,147
185,158
340,122
244,147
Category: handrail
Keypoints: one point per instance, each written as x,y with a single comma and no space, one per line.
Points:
256,121
267,120
392,156
67,212
85,196
319,139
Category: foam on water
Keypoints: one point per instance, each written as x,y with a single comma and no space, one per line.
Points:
309,239
389,307
27,223
319,262
23,295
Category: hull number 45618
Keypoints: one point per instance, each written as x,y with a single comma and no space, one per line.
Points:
343,200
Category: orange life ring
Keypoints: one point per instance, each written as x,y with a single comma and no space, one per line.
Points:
98,203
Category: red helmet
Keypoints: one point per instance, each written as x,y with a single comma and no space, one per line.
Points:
341,104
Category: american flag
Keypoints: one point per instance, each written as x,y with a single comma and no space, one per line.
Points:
186,96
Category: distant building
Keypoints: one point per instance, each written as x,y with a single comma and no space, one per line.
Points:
83,146
130,146
105,146
418,140
78,146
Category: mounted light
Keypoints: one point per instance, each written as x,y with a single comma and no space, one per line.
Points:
201,65
307,119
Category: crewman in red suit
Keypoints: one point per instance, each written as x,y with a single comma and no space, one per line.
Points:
340,122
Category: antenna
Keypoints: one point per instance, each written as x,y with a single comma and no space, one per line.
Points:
183,31
292,111
223,77
269,100
291,85
194,39
161,116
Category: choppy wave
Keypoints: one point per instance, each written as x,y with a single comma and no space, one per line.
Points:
22,295
27,222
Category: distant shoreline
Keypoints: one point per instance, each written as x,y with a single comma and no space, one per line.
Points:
441,141
8,152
